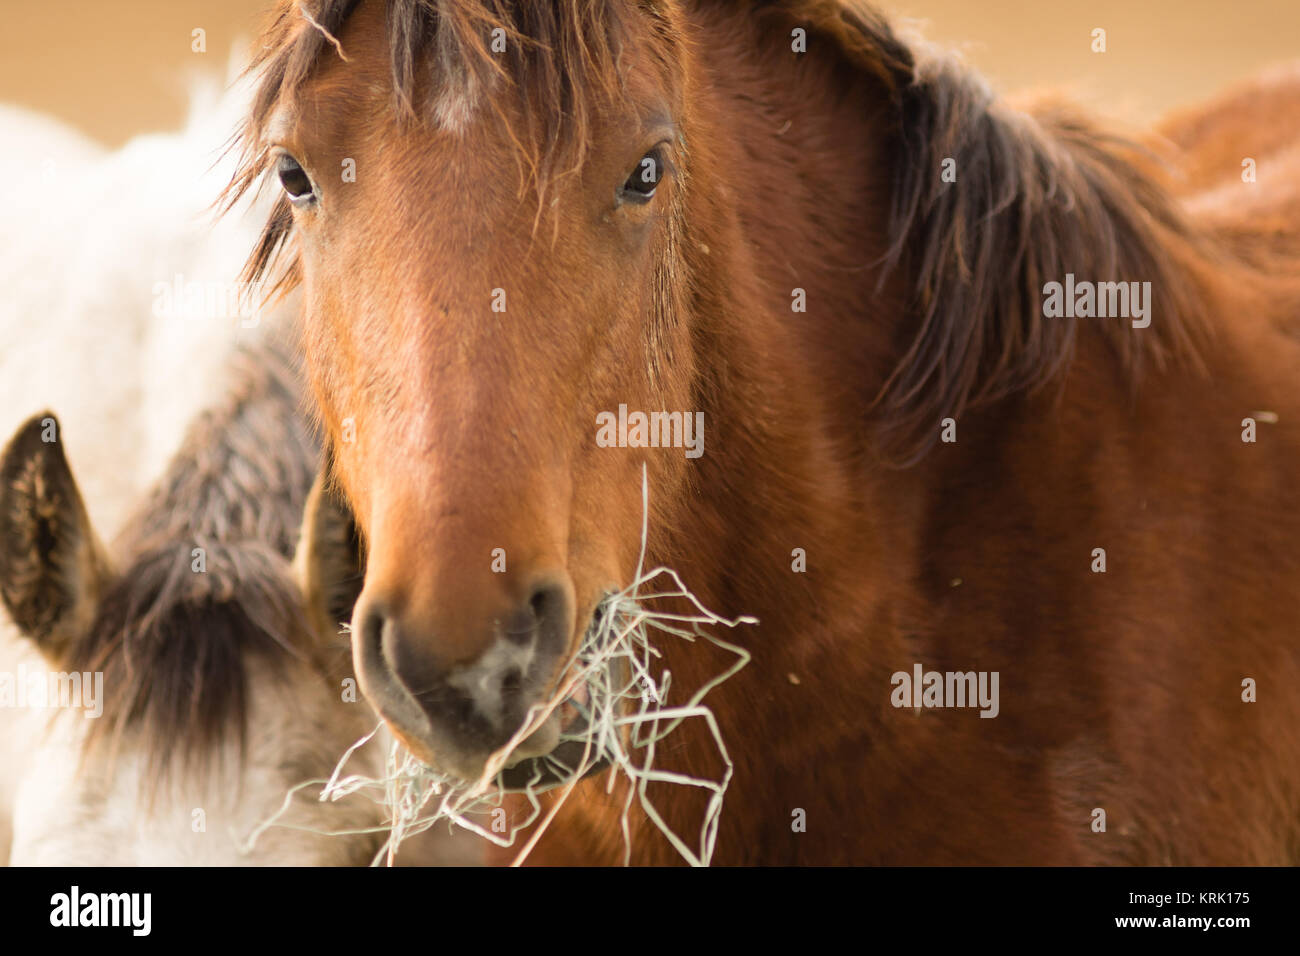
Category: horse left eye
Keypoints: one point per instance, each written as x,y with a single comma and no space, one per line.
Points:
645,179
297,184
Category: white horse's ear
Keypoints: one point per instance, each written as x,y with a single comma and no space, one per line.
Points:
52,567
330,564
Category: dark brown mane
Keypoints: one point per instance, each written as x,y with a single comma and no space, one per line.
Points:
1036,197
174,643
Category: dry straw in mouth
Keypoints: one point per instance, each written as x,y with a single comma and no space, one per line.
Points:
624,718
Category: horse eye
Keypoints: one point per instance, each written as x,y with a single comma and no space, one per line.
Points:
645,179
297,184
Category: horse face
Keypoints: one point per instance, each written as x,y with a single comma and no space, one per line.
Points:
468,332
66,802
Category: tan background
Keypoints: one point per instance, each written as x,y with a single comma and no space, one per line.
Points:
118,67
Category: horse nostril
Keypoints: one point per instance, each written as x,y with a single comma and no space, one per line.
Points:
548,609
372,635
523,626
463,684
538,602
383,651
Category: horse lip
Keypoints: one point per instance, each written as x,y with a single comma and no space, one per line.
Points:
536,772
532,772
552,769
411,742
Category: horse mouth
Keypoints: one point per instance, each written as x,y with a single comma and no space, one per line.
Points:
559,767
574,757
562,749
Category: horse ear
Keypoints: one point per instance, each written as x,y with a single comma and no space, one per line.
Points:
52,567
329,564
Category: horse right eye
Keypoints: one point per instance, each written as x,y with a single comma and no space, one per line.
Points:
297,184
644,180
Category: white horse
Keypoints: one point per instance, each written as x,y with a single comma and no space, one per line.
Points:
122,312
176,693
182,690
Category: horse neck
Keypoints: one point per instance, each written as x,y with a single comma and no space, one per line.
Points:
786,212
812,212
787,197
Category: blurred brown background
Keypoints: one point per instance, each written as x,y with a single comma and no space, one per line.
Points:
118,67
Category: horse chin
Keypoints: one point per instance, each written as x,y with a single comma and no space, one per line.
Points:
554,753
554,770
548,758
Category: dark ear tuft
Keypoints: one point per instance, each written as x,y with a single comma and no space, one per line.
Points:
52,568
330,563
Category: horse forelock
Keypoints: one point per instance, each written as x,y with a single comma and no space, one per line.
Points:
540,68
177,650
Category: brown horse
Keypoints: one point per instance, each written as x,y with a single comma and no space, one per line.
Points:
921,449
